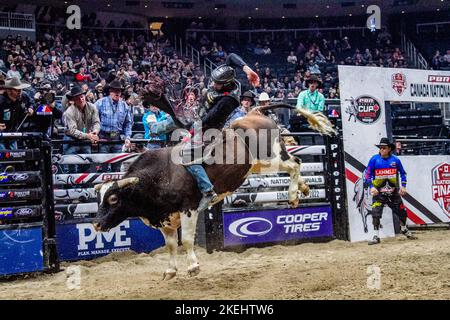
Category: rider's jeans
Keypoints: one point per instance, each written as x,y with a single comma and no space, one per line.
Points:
199,173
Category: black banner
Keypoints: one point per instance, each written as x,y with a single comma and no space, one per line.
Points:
27,178
23,212
15,195
19,155
335,175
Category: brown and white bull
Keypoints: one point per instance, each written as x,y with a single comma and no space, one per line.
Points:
164,195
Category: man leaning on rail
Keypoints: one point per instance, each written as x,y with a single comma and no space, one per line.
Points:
81,122
382,177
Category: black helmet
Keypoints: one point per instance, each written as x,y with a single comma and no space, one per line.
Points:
223,74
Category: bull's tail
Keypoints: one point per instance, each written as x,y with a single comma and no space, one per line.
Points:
318,121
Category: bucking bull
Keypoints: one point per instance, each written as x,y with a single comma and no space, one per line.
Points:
164,195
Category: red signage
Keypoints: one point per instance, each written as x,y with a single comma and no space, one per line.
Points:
441,186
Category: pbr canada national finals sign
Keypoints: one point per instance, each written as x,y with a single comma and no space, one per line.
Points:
441,186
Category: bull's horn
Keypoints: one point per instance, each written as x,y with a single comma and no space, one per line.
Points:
97,187
124,182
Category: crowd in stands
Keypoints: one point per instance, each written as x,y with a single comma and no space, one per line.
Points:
285,63
90,60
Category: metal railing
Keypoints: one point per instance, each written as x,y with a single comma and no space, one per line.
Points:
186,50
341,30
413,54
17,21
436,25
106,28
208,67
424,146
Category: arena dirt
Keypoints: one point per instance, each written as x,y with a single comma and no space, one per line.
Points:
418,269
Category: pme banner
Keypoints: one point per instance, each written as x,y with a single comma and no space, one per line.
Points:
243,228
79,241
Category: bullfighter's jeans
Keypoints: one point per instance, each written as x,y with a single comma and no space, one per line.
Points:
199,173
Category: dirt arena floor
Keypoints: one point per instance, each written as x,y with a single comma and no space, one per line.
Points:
418,269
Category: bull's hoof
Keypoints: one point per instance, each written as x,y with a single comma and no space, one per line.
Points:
304,189
169,274
193,271
295,203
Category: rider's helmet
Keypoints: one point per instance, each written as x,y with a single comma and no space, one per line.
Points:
224,75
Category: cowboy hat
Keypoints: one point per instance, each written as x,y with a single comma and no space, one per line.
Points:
386,142
75,91
115,84
99,87
314,78
15,83
248,94
263,97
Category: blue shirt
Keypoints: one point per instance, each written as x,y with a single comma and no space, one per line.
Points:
237,113
150,118
115,116
382,172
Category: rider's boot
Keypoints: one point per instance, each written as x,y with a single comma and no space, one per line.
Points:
207,199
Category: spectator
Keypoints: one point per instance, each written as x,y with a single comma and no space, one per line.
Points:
447,57
203,52
313,68
151,116
14,107
312,99
13,72
82,123
292,58
398,149
266,50
247,101
437,60
258,50
263,99
367,55
346,44
116,121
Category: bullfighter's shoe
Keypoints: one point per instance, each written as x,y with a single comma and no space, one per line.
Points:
207,199
409,234
375,240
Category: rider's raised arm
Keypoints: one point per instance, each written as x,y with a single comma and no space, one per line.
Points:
233,60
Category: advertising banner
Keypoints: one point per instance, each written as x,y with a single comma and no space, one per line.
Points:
428,198
79,241
249,227
21,250
363,124
364,91
416,85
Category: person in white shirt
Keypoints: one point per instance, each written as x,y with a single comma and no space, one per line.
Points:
292,58
12,72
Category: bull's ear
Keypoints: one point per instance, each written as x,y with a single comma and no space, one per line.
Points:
127,181
97,187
